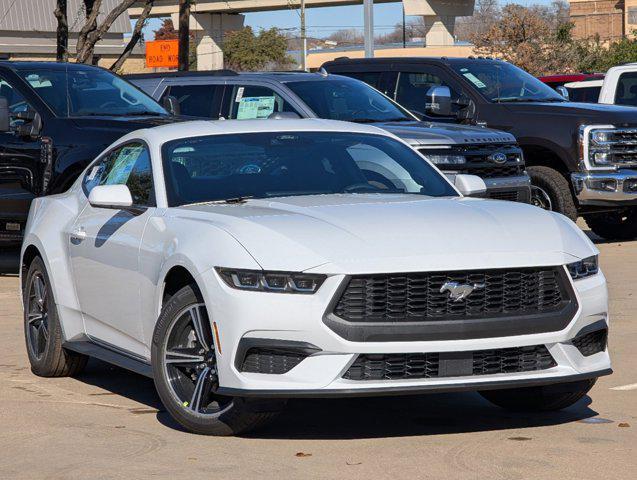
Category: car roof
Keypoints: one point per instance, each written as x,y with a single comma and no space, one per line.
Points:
281,77
20,65
198,128
584,84
392,60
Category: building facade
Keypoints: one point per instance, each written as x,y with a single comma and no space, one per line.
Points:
607,19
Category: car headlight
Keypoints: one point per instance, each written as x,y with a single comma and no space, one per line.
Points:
446,159
584,268
275,282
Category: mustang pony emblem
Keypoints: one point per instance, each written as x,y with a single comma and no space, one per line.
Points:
459,291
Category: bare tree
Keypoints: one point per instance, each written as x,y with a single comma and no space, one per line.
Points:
93,31
62,33
136,36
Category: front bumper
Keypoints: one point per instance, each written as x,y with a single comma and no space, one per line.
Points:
606,188
259,318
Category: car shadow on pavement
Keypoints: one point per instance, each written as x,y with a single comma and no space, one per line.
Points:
353,418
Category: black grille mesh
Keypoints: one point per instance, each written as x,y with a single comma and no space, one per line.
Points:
591,343
509,195
417,297
277,362
427,365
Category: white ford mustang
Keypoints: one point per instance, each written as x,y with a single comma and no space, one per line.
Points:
242,263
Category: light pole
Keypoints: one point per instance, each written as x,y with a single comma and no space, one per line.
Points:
368,7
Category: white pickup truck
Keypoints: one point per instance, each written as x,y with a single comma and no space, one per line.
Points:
618,87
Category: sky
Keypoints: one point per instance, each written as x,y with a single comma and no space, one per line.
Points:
323,21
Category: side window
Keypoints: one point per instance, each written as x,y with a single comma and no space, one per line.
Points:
127,165
195,100
412,88
17,103
626,93
371,78
249,102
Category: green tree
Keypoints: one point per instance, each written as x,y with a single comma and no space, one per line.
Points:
243,50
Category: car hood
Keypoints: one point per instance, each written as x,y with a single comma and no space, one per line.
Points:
584,113
429,133
364,233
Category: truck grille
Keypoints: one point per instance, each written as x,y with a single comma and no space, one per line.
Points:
401,366
414,297
624,147
478,161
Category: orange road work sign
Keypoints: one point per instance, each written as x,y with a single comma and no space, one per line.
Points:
162,53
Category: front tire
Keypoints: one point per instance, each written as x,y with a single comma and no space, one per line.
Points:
540,399
551,191
42,329
619,225
184,359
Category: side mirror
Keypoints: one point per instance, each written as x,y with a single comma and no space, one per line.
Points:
171,104
438,101
470,185
32,125
110,196
562,90
284,116
5,122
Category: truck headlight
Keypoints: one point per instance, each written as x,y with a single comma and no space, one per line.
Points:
584,268
275,282
604,147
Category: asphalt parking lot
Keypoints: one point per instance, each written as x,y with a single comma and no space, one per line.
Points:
109,424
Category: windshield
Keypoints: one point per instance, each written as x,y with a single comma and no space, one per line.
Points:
348,100
502,82
275,164
89,92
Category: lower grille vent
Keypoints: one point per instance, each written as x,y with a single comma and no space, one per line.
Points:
591,343
405,366
276,362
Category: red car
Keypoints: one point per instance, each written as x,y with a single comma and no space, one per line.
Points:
559,80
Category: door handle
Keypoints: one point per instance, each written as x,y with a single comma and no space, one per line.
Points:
78,235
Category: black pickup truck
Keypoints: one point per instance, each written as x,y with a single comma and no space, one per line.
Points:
582,158
54,119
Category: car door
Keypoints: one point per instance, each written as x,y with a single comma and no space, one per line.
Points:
411,87
104,249
197,100
21,167
245,101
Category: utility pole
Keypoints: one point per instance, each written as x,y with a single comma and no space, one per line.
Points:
303,37
184,35
404,29
368,7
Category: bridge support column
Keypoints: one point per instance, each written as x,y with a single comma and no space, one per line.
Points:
208,30
439,30
440,17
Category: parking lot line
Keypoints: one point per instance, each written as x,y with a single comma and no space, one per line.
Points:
632,386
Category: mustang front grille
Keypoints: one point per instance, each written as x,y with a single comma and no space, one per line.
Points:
404,366
414,297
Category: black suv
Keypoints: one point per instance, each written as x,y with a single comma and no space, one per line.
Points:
582,158
54,119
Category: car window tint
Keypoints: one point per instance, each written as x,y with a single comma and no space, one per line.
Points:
127,165
194,100
626,93
412,89
585,94
371,78
249,102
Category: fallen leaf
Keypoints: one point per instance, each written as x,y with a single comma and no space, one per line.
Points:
520,439
623,425
354,463
302,454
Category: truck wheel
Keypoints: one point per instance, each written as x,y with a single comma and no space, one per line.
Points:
184,359
551,191
42,329
619,225
540,399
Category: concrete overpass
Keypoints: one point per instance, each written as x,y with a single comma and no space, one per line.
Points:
211,19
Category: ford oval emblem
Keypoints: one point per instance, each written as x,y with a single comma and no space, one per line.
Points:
498,158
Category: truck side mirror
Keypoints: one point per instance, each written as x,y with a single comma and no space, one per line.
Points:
171,104
5,123
438,101
562,90
32,125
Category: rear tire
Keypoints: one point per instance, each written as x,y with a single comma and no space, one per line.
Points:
540,399
186,375
620,225
42,329
551,191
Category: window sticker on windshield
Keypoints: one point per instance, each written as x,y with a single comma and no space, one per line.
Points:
255,107
93,172
123,165
239,94
475,80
